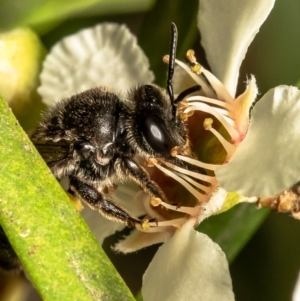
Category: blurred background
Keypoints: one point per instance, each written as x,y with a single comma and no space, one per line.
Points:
263,247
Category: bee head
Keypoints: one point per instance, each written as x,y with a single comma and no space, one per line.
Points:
158,127
155,128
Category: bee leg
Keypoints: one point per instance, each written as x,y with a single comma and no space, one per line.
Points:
141,177
98,201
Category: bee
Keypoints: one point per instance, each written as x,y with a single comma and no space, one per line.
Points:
95,138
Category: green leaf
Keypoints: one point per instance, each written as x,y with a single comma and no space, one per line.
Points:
59,253
44,15
156,43
233,228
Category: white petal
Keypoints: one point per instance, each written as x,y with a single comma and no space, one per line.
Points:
104,55
138,240
100,226
296,293
227,28
181,80
189,266
214,204
267,160
128,196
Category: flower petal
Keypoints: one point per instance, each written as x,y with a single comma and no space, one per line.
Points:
227,28
296,293
105,55
128,196
242,106
189,266
138,240
267,160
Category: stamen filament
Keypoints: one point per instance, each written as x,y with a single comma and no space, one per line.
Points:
200,197
223,112
220,90
176,222
197,162
193,174
230,148
189,210
214,101
205,108
206,89
153,228
205,189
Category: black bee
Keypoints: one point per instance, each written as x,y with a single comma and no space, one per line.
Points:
95,137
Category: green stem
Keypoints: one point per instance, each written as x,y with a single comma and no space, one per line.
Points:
55,246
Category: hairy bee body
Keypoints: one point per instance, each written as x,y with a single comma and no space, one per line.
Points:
95,137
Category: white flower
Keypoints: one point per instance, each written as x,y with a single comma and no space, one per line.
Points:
189,266
296,293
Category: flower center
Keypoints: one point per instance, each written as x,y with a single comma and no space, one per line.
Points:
220,107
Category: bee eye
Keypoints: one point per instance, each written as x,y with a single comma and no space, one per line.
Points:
157,135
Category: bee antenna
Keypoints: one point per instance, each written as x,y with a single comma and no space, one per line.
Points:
172,56
185,93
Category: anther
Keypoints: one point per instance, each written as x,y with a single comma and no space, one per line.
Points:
196,68
176,150
166,59
155,201
145,224
229,147
190,55
207,124
182,105
150,162
185,116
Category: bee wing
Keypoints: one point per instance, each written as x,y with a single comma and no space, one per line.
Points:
52,152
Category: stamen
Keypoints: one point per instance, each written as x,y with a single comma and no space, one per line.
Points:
206,108
198,163
150,162
214,101
166,59
206,89
182,105
191,189
173,222
223,112
219,88
230,148
175,151
207,124
189,210
163,226
190,55
193,174
185,116
153,228
155,201
205,189
145,224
